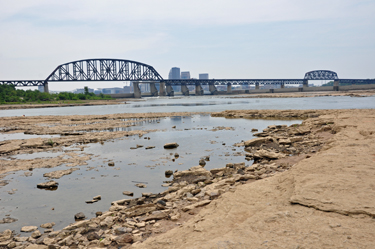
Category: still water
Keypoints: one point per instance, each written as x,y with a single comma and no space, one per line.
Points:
198,136
203,104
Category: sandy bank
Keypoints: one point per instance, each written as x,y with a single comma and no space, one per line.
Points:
324,201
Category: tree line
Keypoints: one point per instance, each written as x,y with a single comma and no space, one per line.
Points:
9,94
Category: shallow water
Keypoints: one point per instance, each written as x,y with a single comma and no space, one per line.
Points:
11,136
204,104
196,139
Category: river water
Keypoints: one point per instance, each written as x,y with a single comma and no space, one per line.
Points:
198,137
204,103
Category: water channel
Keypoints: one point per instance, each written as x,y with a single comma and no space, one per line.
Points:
198,136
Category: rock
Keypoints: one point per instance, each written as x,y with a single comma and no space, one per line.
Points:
48,185
28,229
140,224
268,154
200,179
141,185
8,220
146,194
98,213
6,235
98,197
169,172
59,173
157,216
254,130
285,141
92,236
47,225
34,246
195,205
150,147
124,239
122,230
120,202
196,191
193,171
76,225
257,141
176,155
111,164
170,145
202,162
79,216
128,193
36,234
139,210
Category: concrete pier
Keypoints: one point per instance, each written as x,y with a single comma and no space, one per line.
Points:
137,90
170,91
46,87
198,90
256,86
162,89
184,90
212,89
305,83
154,90
229,88
282,85
336,84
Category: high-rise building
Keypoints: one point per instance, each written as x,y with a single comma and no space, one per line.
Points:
185,75
203,76
174,73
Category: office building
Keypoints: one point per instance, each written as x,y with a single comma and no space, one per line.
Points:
203,76
185,75
174,73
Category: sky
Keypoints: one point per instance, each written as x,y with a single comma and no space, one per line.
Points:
225,38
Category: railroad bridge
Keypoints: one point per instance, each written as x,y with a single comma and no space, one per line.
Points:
140,73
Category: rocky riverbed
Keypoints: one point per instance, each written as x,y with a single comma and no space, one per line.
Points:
294,184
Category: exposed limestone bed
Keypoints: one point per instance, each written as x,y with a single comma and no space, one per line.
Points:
310,187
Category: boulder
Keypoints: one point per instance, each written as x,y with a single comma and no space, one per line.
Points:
169,172
48,185
6,235
170,145
47,225
79,216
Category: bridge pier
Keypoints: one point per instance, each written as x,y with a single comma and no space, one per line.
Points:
153,89
184,90
137,90
336,84
256,86
305,83
198,89
282,85
212,89
170,91
46,87
162,89
229,88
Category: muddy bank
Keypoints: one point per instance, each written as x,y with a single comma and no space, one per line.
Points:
194,200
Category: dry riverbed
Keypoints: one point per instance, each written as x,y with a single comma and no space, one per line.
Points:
310,186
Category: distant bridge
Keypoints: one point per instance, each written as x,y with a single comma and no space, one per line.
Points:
127,70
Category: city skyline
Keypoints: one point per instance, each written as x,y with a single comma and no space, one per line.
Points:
228,39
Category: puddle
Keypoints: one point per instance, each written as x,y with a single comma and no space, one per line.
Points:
197,137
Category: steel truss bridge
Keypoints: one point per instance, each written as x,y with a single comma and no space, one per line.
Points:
127,70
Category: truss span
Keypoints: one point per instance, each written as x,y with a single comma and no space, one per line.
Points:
104,70
321,75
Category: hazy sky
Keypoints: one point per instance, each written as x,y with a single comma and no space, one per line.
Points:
227,39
